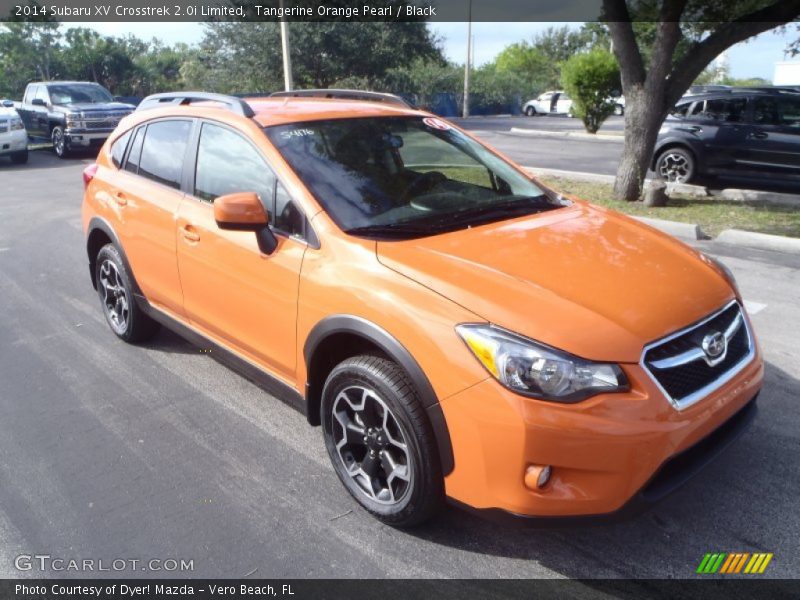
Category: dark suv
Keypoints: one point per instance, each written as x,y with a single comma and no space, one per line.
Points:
70,115
736,133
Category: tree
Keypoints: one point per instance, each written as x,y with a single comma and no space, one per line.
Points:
591,79
246,56
686,36
528,63
557,44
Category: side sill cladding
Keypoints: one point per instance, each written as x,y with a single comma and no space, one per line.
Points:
369,332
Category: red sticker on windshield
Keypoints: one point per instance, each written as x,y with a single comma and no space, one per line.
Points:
436,123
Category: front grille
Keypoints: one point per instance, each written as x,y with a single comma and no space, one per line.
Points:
103,120
685,371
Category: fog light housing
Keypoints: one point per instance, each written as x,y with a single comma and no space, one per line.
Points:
537,476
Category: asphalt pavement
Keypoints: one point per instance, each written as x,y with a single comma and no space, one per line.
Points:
111,451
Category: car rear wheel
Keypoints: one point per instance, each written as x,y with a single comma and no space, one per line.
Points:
530,111
122,313
59,142
676,164
380,442
20,158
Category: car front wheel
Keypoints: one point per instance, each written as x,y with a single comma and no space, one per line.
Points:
676,165
380,442
530,111
59,142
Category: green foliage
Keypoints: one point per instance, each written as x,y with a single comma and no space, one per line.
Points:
247,56
127,66
591,79
526,63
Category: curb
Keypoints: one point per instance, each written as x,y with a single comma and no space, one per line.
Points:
604,137
685,231
776,198
577,175
760,241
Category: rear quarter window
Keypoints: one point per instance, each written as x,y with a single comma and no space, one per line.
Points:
118,148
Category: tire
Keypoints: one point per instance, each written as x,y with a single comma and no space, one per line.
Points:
20,158
676,164
123,315
530,111
389,462
59,142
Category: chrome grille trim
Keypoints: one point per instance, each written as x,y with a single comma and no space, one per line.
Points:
725,377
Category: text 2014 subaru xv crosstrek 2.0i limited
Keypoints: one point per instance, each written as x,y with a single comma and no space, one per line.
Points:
458,329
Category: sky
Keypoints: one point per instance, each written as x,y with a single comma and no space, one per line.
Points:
755,58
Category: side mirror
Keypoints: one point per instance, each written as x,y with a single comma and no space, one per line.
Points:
8,103
243,211
38,102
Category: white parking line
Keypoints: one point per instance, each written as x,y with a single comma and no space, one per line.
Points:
754,307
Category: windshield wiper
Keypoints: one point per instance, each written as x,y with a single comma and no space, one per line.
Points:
519,204
399,229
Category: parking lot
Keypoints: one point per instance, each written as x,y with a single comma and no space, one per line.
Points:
112,451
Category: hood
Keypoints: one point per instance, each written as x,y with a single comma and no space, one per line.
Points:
89,107
584,279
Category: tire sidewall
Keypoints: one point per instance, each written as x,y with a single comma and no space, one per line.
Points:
689,157
109,252
59,131
347,375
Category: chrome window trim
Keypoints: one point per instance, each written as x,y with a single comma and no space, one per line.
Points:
710,388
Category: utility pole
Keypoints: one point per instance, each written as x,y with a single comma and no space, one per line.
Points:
467,65
287,59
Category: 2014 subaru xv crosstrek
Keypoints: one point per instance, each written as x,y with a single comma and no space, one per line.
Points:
458,329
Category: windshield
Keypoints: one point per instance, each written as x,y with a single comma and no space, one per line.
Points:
405,176
82,92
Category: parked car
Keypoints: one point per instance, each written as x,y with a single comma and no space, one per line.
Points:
735,133
456,327
70,115
559,103
549,103
13,137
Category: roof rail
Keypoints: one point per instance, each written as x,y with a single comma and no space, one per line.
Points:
234,104
345,95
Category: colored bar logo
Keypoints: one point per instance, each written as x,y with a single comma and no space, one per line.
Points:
731,563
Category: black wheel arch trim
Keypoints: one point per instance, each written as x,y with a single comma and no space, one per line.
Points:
358,326
101,225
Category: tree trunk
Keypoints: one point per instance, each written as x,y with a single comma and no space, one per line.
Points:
643,119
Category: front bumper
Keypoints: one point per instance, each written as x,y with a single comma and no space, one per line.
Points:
86,137
13,141
607,453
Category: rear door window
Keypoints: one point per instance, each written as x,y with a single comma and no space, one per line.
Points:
164,151
730,110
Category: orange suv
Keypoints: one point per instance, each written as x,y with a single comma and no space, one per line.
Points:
458,329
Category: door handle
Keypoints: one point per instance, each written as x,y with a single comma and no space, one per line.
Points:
119,198
759,135
190,233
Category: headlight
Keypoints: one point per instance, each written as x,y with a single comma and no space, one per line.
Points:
74,121
533,369
664,129
724,271
17,124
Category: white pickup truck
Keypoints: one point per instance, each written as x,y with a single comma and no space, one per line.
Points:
13,137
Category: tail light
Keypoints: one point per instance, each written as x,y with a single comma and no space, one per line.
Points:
88,174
